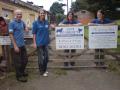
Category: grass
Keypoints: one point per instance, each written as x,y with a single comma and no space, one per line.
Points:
86,32
114,66
118,48
60,72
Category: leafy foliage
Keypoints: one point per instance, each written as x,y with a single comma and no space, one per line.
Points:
56,8
93,5
109,6
59,18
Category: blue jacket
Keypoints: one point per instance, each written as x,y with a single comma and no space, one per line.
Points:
105,21
70,22
17,28
41,29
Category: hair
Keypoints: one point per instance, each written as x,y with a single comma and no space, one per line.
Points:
40,11
72,15
101,11
2,19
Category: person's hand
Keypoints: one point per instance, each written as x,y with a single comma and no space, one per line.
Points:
27,30
17,50
34,46
53,26
91,24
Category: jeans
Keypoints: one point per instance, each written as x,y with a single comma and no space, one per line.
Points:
42,58
99,56
71,62
20,61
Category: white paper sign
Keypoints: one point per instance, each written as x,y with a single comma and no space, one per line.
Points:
5,40
28,34
103,37
69,37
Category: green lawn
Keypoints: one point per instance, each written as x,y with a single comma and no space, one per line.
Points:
118,48
86,32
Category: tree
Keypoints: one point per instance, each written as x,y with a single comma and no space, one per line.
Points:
79,5
59,18
56,8
109,6
93,5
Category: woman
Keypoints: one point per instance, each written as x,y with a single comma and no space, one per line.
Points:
70,20
4,32
41,40
3,27
101,20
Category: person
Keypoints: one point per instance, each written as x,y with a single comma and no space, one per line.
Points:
3,27
5,48
40,30
16,32
101,20
70,20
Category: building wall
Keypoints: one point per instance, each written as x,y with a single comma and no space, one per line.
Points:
7,9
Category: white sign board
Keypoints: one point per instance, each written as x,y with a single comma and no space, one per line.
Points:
103,36
5,40
28,34
69,37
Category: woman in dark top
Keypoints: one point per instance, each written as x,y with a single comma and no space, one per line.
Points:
4,32
100,20
70,20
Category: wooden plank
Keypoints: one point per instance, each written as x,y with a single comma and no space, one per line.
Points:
80,60
70,67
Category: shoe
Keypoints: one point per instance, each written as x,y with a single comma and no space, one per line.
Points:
96,63
66,63
72,63
102,63
45,74
22,79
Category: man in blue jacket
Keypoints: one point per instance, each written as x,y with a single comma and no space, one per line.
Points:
16,32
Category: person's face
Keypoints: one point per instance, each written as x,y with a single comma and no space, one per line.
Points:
42,15
70,16
2,23
19,15
100,16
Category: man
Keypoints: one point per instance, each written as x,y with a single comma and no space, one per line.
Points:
16,32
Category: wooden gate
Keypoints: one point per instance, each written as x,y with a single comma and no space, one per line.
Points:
83,58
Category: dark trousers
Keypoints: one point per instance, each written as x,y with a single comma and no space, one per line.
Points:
68,51
20,61
99,55
42,58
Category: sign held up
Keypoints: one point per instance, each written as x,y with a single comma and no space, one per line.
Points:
103,36
5,40
69,37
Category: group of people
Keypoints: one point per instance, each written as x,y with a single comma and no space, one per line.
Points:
40,42
40,31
